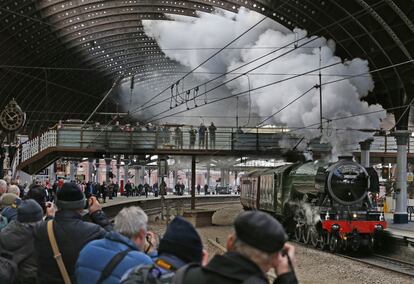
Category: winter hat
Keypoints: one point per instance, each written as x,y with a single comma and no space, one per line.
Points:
70,197
29,211
38,193
182,240
8,199
260,230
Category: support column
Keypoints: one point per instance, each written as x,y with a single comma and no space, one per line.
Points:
142,175
73,166
137,176
108,169
208,176
175,178
193,181
226,177
118,172
90,170
2,157
51,173
365,154
222,174
400,214
236,174
97,170
126,175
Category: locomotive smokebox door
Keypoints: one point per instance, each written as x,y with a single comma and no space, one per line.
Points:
348,182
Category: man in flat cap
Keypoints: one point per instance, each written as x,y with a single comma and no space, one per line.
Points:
257,245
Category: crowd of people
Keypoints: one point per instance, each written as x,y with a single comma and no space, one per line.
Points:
49,242
202,136
164,135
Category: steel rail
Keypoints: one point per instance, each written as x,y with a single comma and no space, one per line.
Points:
374,260
384,262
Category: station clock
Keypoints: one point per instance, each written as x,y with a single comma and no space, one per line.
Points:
12,118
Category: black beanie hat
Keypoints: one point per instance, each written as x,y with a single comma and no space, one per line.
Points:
260,230
182,240
38,193
70,197
29,211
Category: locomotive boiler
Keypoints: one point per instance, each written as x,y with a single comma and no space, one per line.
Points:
323,204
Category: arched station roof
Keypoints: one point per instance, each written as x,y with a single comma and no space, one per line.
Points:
59,57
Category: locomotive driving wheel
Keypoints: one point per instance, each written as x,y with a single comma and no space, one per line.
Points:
334,243
299,232
314,238
306,234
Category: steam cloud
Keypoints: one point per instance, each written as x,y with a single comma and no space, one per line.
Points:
215,30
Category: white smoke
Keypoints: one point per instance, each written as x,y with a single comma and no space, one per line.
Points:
340,99
220,114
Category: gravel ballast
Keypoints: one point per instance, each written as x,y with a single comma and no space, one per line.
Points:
313,266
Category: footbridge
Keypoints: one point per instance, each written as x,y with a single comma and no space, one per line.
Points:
75,141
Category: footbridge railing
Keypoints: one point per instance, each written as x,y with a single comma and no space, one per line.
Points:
119,139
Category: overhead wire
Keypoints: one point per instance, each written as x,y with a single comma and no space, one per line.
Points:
402,115
254,89
286,106
250,102
350,116
140,108
208,59
166,72
357,75
358,13
286,79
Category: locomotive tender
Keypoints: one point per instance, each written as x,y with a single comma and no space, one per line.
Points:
322,204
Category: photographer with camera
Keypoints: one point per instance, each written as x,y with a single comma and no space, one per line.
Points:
258,244
129,245
66,234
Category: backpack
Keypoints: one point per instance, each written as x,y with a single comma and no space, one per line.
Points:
148,274
181,273
8,268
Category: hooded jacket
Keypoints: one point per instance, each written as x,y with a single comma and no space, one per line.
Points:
232,268
17,239
97,254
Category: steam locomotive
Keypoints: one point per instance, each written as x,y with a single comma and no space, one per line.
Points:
326,205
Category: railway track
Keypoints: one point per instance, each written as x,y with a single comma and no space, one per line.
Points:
375,260
386,263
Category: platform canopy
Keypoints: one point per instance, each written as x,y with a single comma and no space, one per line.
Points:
58,57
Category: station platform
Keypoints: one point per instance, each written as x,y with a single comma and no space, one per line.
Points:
402,230
125,200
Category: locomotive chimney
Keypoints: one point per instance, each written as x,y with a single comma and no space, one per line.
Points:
345,158
365,147
320,151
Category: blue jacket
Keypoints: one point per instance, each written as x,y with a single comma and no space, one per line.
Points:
96,255
10,213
